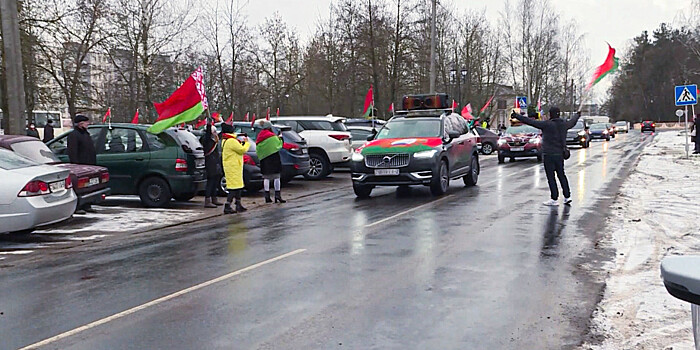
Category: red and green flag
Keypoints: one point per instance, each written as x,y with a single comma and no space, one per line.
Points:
369,103
230,119
487,103
184,105
107,115
610,65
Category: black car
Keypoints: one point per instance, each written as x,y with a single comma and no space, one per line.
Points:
417,147
489,140
579,135
294,153
600,131
648,125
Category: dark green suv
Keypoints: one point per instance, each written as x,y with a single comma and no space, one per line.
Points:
156,167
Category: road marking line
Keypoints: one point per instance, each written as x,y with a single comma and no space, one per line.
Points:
158,301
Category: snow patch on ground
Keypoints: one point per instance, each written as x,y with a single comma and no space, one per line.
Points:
655,215
17,252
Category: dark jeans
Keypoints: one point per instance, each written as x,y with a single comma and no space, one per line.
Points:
554,164
212,188
234,194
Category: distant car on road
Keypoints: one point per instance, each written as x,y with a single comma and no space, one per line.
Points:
155,167
418,147
622,126
579,135
330,143
612,131
364,122
648,125
600,131
33,194
520,141
489,140
89,181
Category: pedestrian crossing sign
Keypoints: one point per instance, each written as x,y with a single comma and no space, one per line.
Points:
522,102
686,95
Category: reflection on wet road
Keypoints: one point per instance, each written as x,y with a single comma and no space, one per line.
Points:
483,268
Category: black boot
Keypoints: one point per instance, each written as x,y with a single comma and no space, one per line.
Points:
239,207
228,209
267,197
215,200
278,197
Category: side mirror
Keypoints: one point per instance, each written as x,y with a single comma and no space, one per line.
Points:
453,134
370,137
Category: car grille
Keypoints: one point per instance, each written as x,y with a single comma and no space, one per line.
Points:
387,160
517,143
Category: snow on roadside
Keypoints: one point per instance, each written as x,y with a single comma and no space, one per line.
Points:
655,215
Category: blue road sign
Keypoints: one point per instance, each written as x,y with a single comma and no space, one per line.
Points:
686,95
522,102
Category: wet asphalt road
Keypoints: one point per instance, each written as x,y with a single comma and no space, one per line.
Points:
487,267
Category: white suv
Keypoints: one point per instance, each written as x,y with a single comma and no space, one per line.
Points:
330,144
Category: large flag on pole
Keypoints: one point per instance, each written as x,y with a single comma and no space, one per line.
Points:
107,115
369,103
610,65
487,103
467,112
184,105
135,120
230,119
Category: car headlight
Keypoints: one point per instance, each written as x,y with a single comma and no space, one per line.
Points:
605,131
357,157
581,133
502,142
535,141
425,154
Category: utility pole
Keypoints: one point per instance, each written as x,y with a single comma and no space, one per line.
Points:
432,48
15,116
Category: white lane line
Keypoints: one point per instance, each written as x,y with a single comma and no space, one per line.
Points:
158,301
378,222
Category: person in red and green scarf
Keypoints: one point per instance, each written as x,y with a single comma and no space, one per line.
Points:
268,146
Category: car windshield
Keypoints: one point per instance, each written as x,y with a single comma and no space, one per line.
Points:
9,160
522,129
322,125
291,136
405,127
36,151
620,123
598,127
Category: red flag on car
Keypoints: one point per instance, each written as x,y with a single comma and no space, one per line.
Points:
278,111
135,120
268,114
467,112
454,105
107,115
200,123
252,123
230,119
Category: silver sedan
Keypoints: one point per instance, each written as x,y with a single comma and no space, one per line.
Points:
32,194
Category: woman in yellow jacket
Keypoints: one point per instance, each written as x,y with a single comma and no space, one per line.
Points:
233,149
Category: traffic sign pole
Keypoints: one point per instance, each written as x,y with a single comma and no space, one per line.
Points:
687,155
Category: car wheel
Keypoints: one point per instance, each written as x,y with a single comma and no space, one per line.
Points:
362,191
154,192
319,167
473,177
486,148
501,159
184,197
607,138
441,180
512,159
222,186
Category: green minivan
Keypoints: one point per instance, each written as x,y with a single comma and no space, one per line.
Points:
155,167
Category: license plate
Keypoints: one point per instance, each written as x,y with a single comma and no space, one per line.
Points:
94,181
386,172
57,186
517,149
199,163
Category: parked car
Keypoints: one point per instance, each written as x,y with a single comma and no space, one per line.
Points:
648,125
33,194
330,143
489,140
579,135
622,126
520,141
89,181
418,147
294,153
360,134
600,131
611,129
364,122
155,167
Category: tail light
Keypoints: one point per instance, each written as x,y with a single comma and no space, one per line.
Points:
180,165
290,146
69,183
296,166
340,137
248,160
104,178
83,182
35,188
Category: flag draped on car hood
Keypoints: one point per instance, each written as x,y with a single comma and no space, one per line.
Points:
403,145
184,105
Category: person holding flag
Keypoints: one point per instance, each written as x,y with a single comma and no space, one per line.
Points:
267,147
212,165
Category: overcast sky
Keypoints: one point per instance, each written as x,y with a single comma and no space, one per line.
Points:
614,21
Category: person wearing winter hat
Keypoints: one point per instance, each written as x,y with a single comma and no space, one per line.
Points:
233,148
268,146
212,165
81,149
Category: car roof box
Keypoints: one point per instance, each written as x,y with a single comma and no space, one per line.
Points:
425,101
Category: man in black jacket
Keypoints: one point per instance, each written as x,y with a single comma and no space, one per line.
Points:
48,131
81,149
553,147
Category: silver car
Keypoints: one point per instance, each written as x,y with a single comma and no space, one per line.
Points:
32,194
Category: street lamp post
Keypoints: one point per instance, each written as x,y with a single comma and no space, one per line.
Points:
458,77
